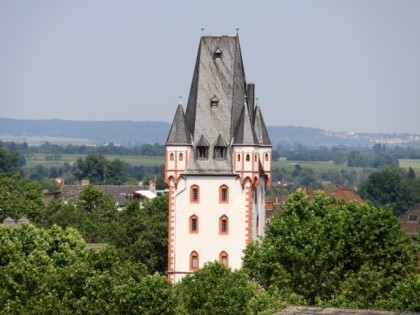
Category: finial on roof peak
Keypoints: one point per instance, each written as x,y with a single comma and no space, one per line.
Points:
202,31
257,102
179,100
237,31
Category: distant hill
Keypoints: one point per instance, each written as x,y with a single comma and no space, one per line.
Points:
130,133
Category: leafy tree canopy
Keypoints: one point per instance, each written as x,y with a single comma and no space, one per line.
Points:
389,186
100,171
332,253
51,271
20,197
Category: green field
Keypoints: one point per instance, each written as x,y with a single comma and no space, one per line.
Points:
414,164
39,159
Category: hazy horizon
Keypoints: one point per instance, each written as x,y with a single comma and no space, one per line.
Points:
335,65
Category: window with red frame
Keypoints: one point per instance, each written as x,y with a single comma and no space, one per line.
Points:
195,194
224,259
224,225
194,261
224,194
193,224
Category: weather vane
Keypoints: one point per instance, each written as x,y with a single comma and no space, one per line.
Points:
237,31
179,100
202,31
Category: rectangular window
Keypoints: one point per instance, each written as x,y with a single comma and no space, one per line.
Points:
195,194
194,262
224,226
224,260
194,225
224,194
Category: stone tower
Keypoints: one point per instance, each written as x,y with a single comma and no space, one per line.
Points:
218,163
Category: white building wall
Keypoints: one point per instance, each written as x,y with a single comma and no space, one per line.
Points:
207,242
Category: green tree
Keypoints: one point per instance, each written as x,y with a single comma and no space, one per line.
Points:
9,161
20,197
143,233
331,253
100,171
388,186
215,289
51,271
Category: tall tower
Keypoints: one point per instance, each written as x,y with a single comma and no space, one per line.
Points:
218,163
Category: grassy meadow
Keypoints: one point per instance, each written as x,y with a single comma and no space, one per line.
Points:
40,159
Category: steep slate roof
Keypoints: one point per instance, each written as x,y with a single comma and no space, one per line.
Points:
260,128
312,310
245,133
215,109
179,133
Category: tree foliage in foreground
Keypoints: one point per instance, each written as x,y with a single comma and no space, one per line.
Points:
51,271
332,253
215,289
140,233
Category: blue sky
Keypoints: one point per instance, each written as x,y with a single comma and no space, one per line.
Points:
336,65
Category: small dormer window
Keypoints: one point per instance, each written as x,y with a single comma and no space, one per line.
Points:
217,54
214,102
202,152
220,153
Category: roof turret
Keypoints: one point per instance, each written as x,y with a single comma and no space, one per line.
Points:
260,128
245,133
179,133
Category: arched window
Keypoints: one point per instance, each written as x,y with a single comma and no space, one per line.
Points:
171,157
266,157
239,157
194,263
195,194
224,225
223,194
256,157
248,157
181,157
194,224
224,258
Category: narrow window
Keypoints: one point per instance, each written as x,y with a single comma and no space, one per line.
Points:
171,157
220,153
194,261
266,156
258,225
239,157
224,258
223,225
203,152
223,194
256,157
181,157
248,157
193,224
195,194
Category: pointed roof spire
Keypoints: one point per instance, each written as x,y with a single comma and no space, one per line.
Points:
203,142
220,142
260,128
179,133
245,133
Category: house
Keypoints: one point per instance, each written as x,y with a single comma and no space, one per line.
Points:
276,203
410,221
121,193
218,163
